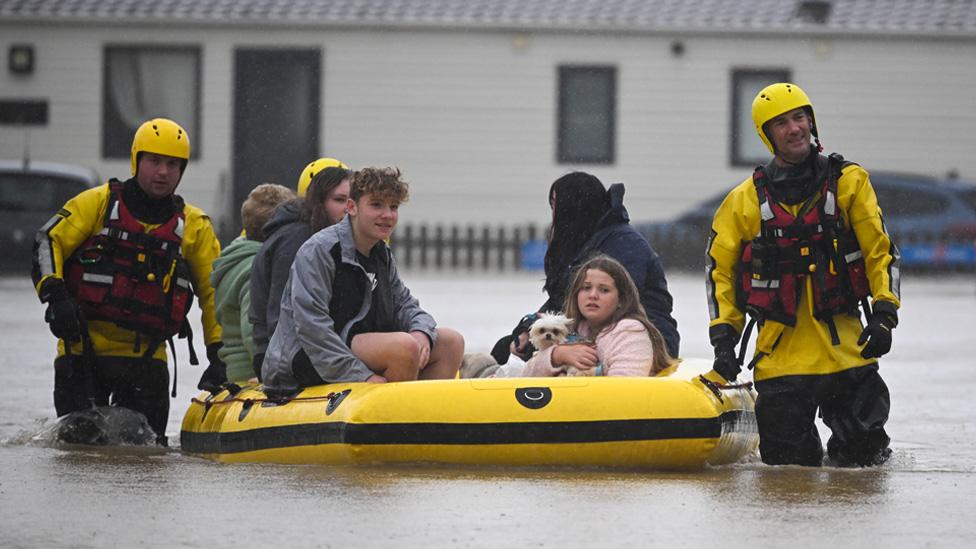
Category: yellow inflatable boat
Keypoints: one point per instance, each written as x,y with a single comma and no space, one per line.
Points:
678,421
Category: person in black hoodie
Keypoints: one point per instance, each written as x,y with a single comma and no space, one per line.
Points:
587,220
293,223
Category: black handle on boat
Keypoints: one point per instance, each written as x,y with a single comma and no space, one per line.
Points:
717,388
334,400
533,398
713,386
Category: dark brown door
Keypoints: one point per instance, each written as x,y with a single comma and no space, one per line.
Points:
276,117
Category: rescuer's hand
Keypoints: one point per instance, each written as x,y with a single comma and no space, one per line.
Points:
216,373
876,336
62,315
726,363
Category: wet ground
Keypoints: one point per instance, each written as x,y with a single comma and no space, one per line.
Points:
69,497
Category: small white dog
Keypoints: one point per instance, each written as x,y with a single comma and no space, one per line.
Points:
548,330
552,329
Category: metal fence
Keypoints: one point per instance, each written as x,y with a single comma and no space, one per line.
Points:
468,247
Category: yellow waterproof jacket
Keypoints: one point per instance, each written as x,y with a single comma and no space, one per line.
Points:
804,349
84,216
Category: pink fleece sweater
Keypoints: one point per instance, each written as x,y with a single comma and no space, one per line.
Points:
626,350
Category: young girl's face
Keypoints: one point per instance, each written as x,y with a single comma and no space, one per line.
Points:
598,298
335,203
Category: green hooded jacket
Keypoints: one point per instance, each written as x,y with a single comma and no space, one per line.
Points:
231,279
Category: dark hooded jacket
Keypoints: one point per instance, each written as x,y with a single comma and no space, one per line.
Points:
284,235
616,238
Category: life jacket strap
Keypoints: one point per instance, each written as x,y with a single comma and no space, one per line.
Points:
745,340
172,349
186,331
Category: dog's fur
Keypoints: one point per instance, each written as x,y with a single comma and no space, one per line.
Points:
550,329
553,329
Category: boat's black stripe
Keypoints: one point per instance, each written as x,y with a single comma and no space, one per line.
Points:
456,433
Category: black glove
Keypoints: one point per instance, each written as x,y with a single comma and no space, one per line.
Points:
216,373
723,338
523,327
502,348
256,363
877,334
726,363
62,315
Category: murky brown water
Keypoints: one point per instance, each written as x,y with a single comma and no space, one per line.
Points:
57,497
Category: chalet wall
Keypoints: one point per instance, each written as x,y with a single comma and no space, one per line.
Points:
470,117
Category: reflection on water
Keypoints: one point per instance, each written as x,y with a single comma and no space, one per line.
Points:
789,486
131,495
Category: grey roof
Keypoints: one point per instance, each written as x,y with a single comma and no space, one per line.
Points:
932,17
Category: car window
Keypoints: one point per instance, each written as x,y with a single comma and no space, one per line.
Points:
969,197
898,200
21,192
702,214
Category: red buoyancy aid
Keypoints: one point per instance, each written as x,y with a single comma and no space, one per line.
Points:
815,243
136,279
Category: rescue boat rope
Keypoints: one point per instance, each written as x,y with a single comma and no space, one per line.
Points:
329,396
333,394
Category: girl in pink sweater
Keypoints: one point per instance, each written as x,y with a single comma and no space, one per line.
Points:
605,306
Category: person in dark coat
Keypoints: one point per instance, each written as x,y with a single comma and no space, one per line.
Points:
293,223
588,219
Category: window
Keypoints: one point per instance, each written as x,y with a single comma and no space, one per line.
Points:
143,82
898,200
587,113
35,193
969,197
746,147
26,112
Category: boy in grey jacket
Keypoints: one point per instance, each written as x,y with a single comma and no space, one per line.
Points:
345,314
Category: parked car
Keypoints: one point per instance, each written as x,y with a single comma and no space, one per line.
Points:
30,193
933,222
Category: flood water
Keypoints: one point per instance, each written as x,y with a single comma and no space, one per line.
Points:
61,497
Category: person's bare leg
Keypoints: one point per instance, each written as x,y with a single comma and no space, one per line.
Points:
446,356
395,355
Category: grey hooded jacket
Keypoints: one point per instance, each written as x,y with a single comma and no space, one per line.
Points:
306,327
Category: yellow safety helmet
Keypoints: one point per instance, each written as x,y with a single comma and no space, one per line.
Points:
315,167
776,99
160,136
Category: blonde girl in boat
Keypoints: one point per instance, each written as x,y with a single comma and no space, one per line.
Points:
617,338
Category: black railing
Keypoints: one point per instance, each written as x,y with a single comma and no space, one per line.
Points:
465,247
